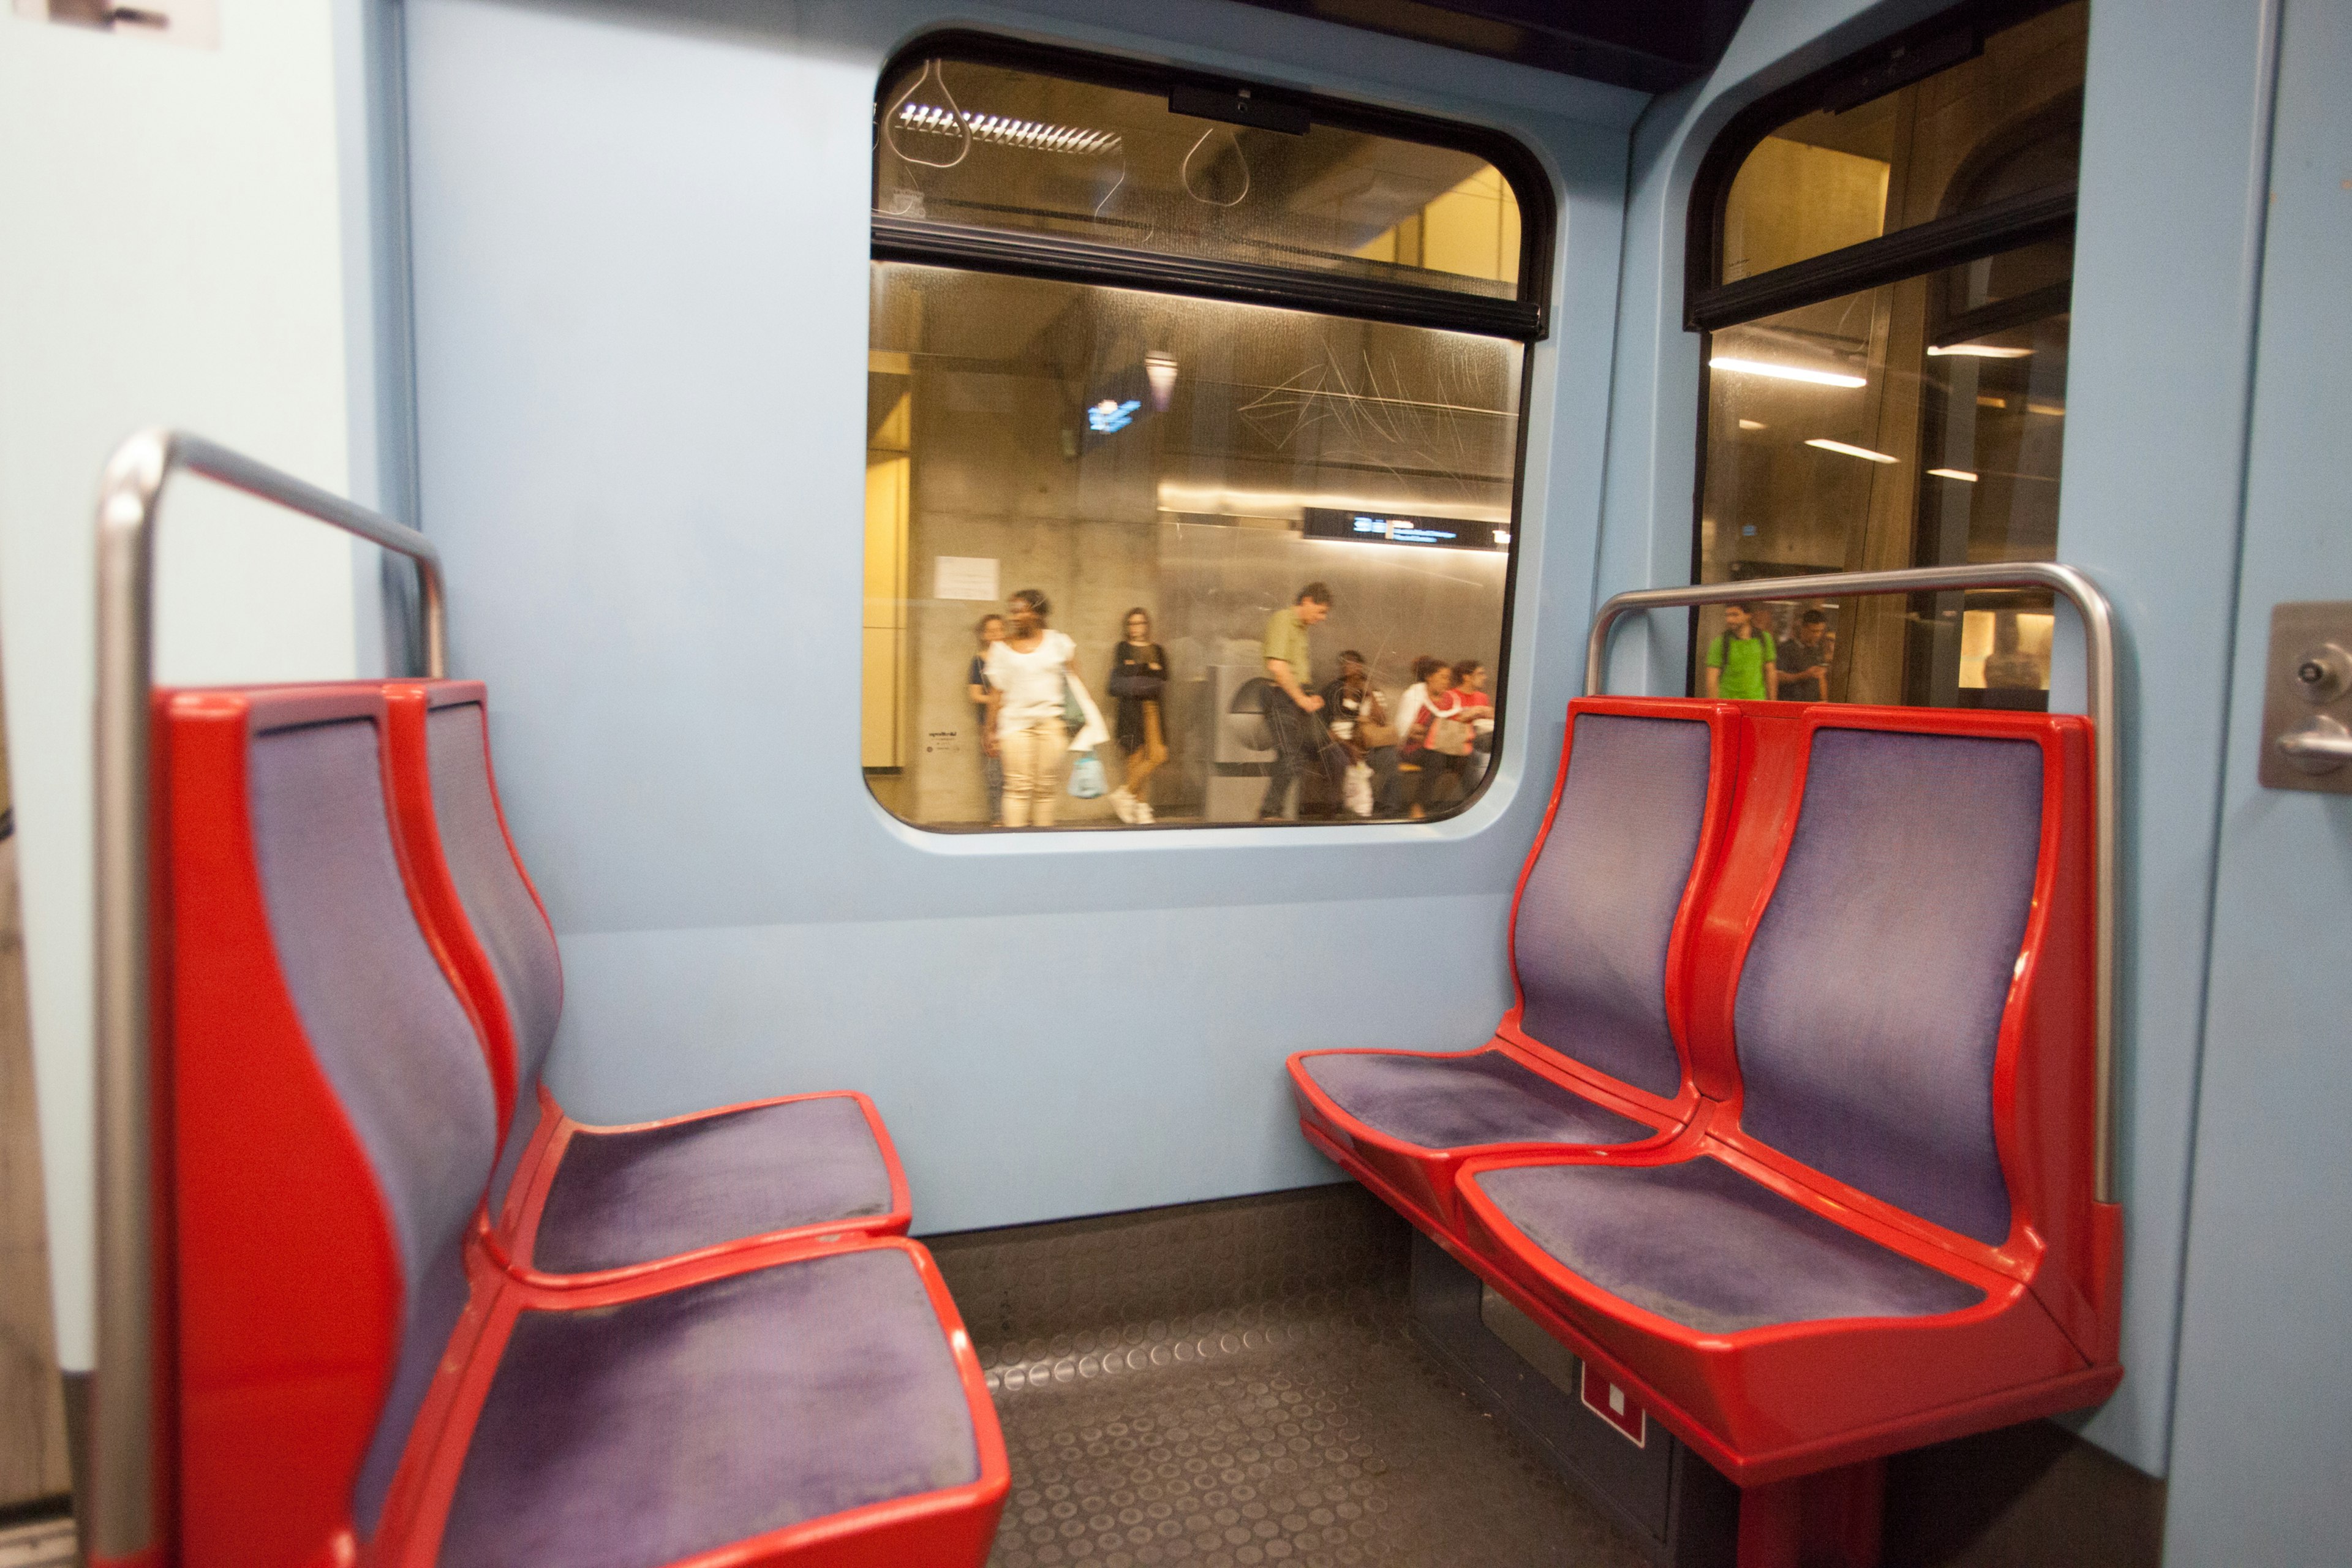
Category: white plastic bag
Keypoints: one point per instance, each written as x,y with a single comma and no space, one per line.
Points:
1356,789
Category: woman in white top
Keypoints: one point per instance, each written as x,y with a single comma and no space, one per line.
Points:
1028,682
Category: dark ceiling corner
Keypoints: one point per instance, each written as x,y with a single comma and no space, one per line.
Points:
1651,46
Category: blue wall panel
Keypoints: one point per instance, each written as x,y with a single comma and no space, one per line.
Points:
2262,1442
640,260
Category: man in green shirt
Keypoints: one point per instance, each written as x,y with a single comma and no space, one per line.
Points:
1740,663
1292,710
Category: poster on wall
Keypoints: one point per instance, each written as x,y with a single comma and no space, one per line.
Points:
963,577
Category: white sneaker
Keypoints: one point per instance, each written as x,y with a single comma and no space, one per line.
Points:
1143,812
1123,803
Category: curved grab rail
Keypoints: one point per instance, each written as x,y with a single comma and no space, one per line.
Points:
2099,635
121,1516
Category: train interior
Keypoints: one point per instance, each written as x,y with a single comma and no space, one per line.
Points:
1597,801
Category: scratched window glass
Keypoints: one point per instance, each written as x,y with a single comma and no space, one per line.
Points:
976,144
1136,560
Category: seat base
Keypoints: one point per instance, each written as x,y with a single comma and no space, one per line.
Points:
1776,1402
590,1205
811,1406
1527,1110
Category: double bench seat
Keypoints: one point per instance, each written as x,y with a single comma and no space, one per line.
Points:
571,1203
362,1367
1591,1051
1790,1130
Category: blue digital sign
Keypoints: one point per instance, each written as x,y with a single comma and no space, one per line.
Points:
1399,527
1112,414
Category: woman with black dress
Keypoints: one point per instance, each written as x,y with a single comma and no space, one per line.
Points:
1138,675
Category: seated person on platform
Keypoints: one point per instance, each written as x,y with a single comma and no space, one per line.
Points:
1437,739
1470,681
1359,721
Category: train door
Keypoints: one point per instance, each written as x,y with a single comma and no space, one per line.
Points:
2257,1454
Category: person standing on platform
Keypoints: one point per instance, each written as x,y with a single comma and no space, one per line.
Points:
1028,686
1804,659
990,632
1740,662
1139,676
1292,712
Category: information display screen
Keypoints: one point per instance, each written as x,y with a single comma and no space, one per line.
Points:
1400,528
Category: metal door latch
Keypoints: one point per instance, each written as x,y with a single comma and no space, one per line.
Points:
2307,700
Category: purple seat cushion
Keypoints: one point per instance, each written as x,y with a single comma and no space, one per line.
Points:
1598,910
1703,1246
621,1198
637,1434
386,1029
1870,1005
1458,1103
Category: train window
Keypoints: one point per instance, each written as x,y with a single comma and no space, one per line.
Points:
1884,290
1192,448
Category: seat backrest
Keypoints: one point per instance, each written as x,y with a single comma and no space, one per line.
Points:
1871,1004
1611,883
441,740
334,1125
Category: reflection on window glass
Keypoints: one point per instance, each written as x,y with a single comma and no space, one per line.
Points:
1917,425
994,147
1135,558
1920,422
2003,124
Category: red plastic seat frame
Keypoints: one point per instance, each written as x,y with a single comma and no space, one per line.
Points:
509,1234
1781,1401
279,1279
1420,1183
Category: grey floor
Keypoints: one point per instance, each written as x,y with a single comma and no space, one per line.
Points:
1234,1385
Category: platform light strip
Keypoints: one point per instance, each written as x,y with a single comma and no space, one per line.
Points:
1828,446
1976,351
1780,372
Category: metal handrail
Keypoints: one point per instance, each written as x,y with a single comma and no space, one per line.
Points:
2098,632
120,1516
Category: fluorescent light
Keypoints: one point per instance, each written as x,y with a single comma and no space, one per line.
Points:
2053,408
1753,425
1978,351
1961,474
1992,402
1851,451
1502,536
1786,371
1003,128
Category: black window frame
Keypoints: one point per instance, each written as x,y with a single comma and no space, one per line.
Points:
1525,319
1942,41
1948,38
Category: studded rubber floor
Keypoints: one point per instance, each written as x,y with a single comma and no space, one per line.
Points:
1234,1385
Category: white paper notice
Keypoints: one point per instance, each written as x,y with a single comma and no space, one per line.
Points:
963,577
